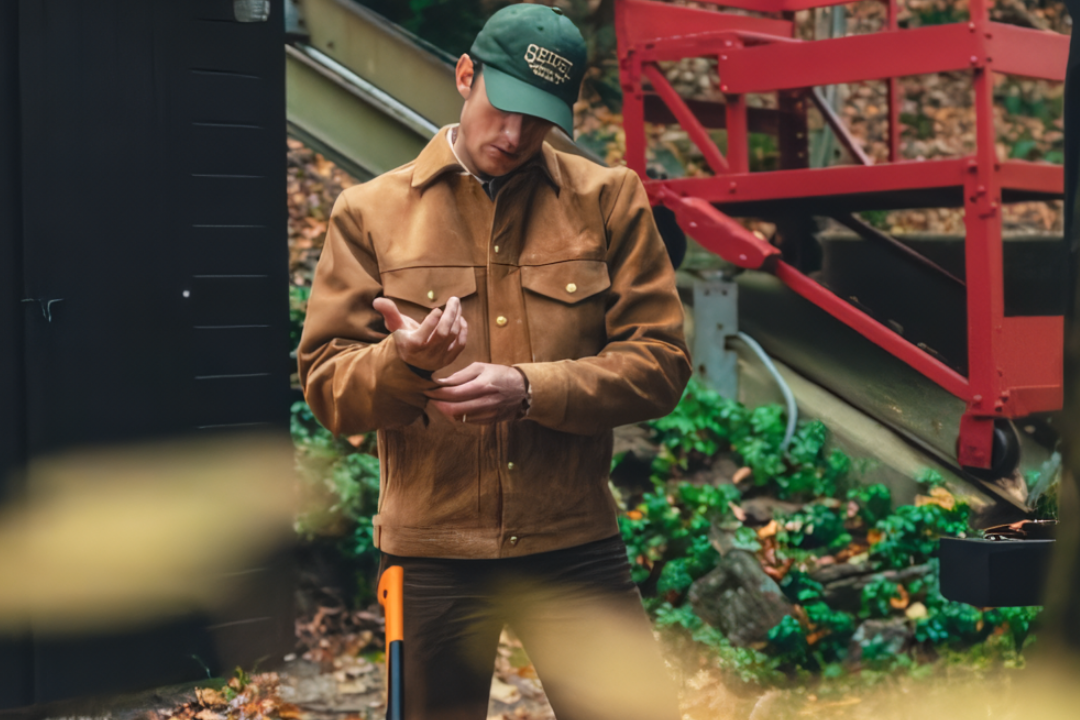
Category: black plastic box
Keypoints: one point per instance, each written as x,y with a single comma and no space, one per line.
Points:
994,573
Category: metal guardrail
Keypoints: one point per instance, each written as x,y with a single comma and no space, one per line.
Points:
418,74
355,124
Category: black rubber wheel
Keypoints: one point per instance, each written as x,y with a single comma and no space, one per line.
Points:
1005,456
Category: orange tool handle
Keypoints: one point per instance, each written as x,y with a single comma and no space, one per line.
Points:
391,598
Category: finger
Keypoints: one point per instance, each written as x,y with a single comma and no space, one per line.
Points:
454,348
389,310
473,408
481,416
445,409
477,389
455,330
466,374
458,393
458,344
430,322
450,317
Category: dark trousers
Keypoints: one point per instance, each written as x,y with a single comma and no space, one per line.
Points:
576,611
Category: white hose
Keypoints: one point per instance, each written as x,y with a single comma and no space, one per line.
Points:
792,409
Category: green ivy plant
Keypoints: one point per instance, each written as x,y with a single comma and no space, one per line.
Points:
667,538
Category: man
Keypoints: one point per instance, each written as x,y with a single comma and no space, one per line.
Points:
494,309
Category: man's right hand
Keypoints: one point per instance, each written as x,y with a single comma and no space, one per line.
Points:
429,345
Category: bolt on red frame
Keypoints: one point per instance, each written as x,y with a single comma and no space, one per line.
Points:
1015,364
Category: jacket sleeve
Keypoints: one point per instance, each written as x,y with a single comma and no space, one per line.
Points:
350,370
644,367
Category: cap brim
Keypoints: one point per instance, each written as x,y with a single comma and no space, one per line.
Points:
509,94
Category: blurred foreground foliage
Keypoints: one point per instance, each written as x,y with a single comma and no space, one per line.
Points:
340,484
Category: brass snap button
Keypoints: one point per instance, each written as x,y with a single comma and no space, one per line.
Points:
430,294
496,249
513,539
500,321
571,288
509,466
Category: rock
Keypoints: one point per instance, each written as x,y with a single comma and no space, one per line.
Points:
760,510
632,473
839,571
722,535
719,471
739,599
846,593
895,633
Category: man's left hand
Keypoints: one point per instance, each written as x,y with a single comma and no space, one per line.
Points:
481,393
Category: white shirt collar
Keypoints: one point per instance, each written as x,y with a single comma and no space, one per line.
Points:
450,139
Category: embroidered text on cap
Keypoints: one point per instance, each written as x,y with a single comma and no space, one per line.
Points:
548,65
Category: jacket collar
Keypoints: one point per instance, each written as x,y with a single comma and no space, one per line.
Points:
437,159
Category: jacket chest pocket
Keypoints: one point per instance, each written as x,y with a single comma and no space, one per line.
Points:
566,303
425,288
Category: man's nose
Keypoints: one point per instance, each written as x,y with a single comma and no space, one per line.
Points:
512,130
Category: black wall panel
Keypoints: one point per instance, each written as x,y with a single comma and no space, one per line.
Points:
16,680
143,215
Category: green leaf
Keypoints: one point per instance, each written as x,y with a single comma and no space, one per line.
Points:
746,539
1023,149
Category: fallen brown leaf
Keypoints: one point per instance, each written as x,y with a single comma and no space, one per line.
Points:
737,511
210,698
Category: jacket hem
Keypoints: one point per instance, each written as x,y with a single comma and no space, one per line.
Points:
484,544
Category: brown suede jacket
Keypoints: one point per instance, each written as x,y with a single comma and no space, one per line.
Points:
564,276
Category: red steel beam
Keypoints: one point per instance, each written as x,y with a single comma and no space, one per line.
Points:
893,12
776,6
796,5
738,144
1027,52
851,59
984,280
765,6
854,179
719,233
874,331
818,182
707,43
645,23
1032,176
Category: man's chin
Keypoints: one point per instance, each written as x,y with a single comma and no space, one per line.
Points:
496,169
495,165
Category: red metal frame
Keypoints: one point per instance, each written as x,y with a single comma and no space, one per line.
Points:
1015,364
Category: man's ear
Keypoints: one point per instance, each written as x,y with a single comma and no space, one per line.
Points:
463,75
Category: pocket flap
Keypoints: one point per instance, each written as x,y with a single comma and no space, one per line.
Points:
429,287
570,281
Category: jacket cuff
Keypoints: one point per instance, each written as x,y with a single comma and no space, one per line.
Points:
549,393
397,377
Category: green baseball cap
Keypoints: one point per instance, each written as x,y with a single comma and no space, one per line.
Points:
534,60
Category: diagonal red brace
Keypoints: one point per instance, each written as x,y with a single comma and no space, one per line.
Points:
717,232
